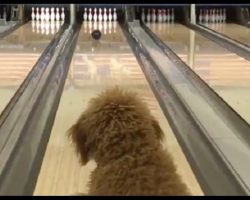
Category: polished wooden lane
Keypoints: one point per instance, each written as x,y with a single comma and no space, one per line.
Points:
225,72
234,31
19,52
96,66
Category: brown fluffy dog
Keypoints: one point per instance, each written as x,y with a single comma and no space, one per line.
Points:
118,131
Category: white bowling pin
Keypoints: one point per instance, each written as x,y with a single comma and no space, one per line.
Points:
37,14
95,15
224,15
148,16
143,15
100,14
47,15
105,15
90,15
200,16
213,16
168,16
164,15
115,15
153,15
85,15
206,17
63,14
172,15
110,15
57,14
33,16
159,16
52,16
42,16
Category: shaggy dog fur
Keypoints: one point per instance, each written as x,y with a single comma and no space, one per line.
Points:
118,131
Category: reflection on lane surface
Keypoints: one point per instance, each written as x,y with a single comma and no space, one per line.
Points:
225,72
235,31
94,67
19,52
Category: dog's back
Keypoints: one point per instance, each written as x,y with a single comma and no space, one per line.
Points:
120,134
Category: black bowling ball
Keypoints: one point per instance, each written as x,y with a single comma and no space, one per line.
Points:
96,34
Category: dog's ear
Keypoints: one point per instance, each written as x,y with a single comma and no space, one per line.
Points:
158,131
78,136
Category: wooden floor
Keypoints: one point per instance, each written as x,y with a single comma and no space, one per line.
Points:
224,71
19,51
89,74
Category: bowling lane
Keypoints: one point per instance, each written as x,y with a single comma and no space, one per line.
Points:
96,66
19,51
235,31
225,72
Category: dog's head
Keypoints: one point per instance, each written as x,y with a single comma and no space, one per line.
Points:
108,119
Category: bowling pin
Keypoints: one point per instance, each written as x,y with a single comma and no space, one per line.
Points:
100,14
210,18
63,14
221,16
105,15
153,16
115,15
95,15
206,16
85,15
90,15
172,16
110,15
52,16
159,16
247,13
33,16
148,16
143,15
168,15
42,14
164,15
224,15
57,14
37,14
200,16
47,15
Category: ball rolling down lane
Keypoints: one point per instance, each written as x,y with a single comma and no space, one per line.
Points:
96,34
